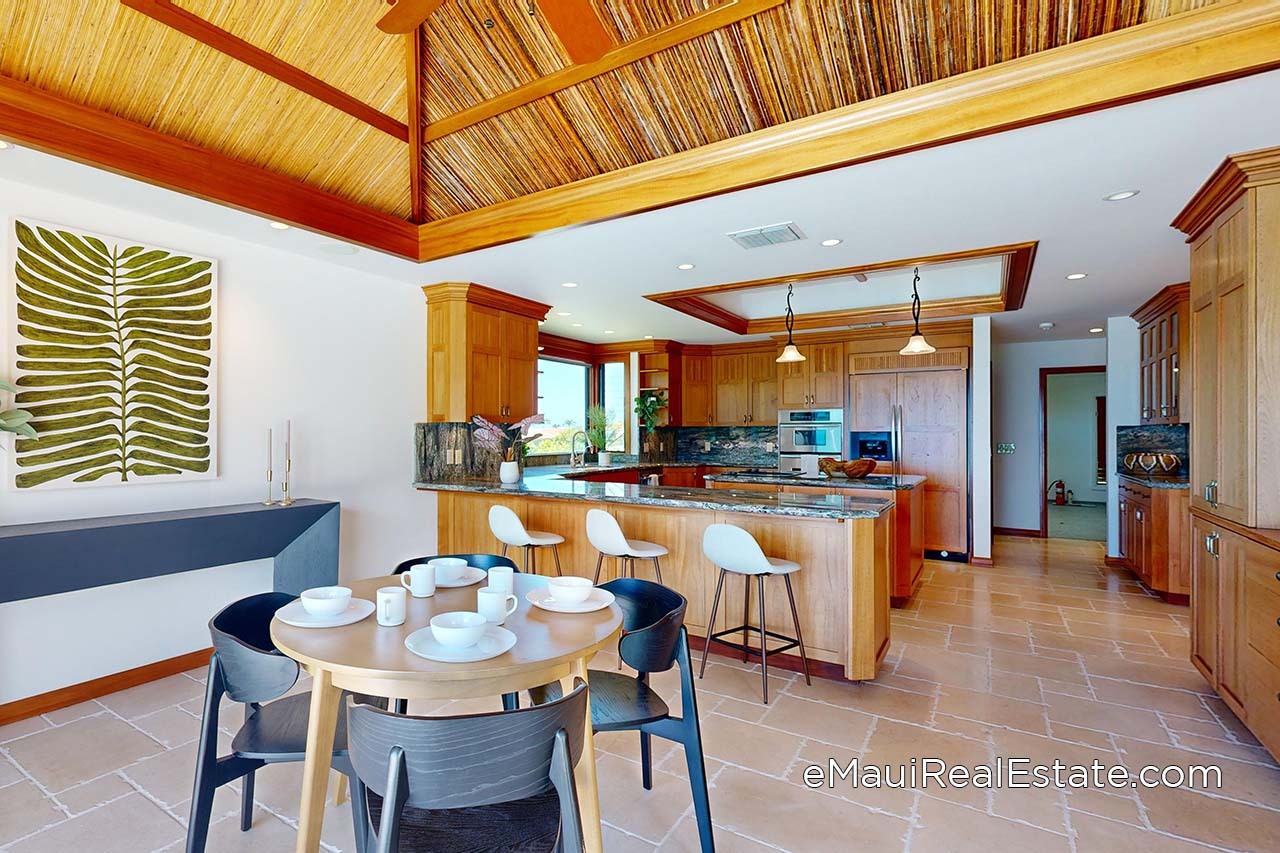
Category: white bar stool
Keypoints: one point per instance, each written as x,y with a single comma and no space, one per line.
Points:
606,536
511,532
735,550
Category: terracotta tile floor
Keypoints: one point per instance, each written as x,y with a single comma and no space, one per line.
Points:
1047,655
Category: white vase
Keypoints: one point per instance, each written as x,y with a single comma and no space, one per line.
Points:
509,472
606,459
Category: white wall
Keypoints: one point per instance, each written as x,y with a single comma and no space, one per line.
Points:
1016,419
338,351
1123,381
980,442
1073,432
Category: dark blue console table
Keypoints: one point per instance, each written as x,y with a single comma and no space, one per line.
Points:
62,556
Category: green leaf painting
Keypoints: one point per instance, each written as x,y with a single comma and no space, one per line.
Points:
115,359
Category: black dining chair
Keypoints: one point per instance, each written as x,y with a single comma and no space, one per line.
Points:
247,668
476,783
510,701
653,640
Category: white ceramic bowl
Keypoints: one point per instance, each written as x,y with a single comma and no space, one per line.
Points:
448,569
326,600
570,589
458,629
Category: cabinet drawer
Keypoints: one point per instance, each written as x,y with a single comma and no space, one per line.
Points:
1263,620
1262,702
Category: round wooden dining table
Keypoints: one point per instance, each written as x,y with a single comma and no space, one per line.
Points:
371,659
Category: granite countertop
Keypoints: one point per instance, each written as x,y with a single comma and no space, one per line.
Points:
1155,482
553,485
587,470
874,481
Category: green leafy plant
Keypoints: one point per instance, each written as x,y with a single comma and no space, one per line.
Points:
115,345
15,420
647,408
599,433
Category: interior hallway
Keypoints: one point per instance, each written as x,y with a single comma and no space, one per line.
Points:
1049,654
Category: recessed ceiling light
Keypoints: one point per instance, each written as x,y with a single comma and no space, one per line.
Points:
648,337
564,314
832,242
540,349
1076,276
1120,196
1096,330
569,284
575,325
4,145
608,331
1044,327
279,226
684,266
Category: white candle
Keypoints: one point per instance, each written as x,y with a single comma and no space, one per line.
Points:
288,439
268,450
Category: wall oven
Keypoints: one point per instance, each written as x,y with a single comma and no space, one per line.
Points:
817,431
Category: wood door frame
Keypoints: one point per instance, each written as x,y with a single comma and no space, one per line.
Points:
1045,373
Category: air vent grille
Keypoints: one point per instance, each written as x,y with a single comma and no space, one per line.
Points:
768,235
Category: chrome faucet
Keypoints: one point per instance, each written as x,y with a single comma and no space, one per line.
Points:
574,459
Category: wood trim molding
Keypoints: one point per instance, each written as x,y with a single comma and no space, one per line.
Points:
1162,303
1195,48
1017,531
557,346
698,24
1233,176
985,562
237,48
943,334
1045,373
478,294
1018,259
74,694
55,125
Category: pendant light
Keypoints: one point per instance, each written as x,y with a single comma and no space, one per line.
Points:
789,353
917,345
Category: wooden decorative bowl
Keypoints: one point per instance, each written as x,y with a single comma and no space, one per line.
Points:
854,470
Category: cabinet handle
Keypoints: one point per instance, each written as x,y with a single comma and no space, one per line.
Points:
1146,413
1138,514
1164,411
1278,576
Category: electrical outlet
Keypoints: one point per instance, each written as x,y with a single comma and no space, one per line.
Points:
706,447
1006,447
769,446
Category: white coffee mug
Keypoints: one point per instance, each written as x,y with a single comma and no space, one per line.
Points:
420,581
503,579
495,605
392,602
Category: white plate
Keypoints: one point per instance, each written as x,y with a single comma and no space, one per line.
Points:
496,641
294,614
470,575
599,599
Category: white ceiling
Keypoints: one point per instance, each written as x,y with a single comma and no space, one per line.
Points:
976,277
1044,182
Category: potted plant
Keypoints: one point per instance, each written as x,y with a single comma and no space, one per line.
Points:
647,408
509,442
15,420
600,435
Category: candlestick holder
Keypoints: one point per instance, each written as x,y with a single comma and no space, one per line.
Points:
270,494
286,499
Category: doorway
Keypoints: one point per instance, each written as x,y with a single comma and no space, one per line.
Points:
1073,447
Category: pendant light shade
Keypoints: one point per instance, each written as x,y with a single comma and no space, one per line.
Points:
790,354
917,345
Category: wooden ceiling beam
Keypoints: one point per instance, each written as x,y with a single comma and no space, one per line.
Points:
578,27
699,24
237,48
1207,45
405,16
51,123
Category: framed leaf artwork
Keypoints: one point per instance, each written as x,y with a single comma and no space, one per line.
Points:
115,355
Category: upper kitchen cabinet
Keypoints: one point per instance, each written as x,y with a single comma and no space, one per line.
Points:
817,382
1232,225
482,353
746,386
697,396
1165,348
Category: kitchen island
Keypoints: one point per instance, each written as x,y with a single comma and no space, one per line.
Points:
841,543
906,519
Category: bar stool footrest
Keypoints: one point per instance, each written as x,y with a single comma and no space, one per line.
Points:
788,642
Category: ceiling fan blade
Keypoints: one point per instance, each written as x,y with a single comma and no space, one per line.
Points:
575,22
406,15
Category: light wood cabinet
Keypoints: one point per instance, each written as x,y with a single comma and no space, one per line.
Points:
482,353
1222,562
696,407
1232,224
1164,336
746,388
818,382
1154,537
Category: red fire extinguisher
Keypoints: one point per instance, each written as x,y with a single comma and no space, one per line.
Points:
1059,490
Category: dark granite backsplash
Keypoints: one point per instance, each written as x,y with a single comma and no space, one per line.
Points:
729,445
1155,438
